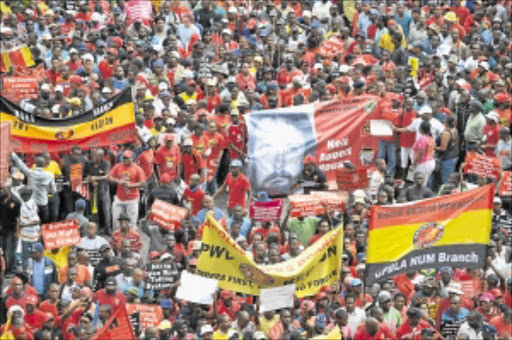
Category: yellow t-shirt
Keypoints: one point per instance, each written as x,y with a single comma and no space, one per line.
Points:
60,258
52,168
186,98
218,335
266,325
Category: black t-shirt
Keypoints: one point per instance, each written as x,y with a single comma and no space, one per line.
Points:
98,170
9,213
416,194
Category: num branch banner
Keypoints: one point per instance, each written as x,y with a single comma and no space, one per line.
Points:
334,132
444,231
111,123
222,259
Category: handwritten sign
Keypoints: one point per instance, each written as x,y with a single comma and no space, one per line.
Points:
149,315
351,179
196,289
265,211
166,215
60,234
505,188
482,165
161,276
276,298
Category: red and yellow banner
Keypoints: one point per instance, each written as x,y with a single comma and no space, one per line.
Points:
5,151
20,57
444,231
111,123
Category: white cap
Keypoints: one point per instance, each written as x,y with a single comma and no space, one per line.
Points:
206,329
188,74
493,115
96,17
175,54
231,80
46,87
59,88
211,81
455,288
460,82
318,66
188,142
306,14
165,256
232,10
73,50
106,89
163,87
425,109
191,102
87,56
484,64
170,121
344,68
227,31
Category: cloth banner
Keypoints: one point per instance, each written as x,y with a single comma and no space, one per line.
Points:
111,123
118,327
60,234
222,259
265,211
139,10
333,132
18,57
505,187
352,179
482,165
314,203
443,231
166,215
5,151
18,88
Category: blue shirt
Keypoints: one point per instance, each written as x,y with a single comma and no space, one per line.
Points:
405,22
449,315
244,226
38,276
364,23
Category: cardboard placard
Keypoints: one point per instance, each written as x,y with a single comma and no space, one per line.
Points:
482,165
75,175
334,200
161,276
352,179
60,234
166,215
149,315
305,205
505,187
17,88
265,211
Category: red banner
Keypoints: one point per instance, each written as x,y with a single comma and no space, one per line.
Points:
5,151
265,211
150,315
60,234
482,165
334,200
166,215
343,134
17,88
118,327
505,187
352,179
139,10
305,205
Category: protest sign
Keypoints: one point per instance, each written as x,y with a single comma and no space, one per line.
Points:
265,211
149,315
482,165
161,276
305,205
196,289
276,298
17,88
444,231
60,234
351,179
450,328
118,327
333,200
166,215
380,127
222,259
505,186
5,151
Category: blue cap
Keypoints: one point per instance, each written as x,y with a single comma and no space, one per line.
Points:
489,329
158,63
80,204
315,24
100,43
37,247
264,32
236,163
118,10
81,47
166,304
356,282
359,84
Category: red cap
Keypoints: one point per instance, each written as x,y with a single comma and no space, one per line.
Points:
165,178
331,88
117,41
307,305
94,85
389,66
227,294
128,153
169,137
155,254
502,97
193,262
112,50
321,296
31,300
309,160
76,79
488,297
496,293
391,22
371,78
251,24
466,86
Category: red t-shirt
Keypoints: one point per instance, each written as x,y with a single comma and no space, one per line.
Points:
382,333
264,232
47,307
238,186
106,70
115,300
34,321
504,330
222,122
133,174
245,82
194,197
493,136
407,139
146,161
168,160
235,135
192,162
199,143
405,331
215,142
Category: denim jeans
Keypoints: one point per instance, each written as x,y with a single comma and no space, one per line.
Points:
25,253
447,168
54,207
387,152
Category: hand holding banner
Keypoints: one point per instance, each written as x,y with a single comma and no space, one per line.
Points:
352,179
265,211
60,234
482,165
276,298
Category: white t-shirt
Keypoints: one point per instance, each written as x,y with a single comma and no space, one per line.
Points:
92,247
436,127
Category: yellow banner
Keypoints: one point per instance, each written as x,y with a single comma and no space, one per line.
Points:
223,260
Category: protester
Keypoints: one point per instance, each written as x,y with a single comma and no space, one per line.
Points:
187,78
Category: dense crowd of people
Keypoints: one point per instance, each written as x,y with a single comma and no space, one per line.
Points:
442,70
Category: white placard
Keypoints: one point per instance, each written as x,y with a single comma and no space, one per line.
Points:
380,127
196,289
276,298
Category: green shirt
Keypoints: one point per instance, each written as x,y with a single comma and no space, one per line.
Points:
474,128
304,229
487,107
393,318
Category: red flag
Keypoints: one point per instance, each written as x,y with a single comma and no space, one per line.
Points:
118,327
17,59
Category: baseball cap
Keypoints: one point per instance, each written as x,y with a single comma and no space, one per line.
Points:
37,247
455,288
80,204
206,329
104,247
165,324
356,282
494,116
384,296
188,142
236,163
110,281
487,297
154,254
309,159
